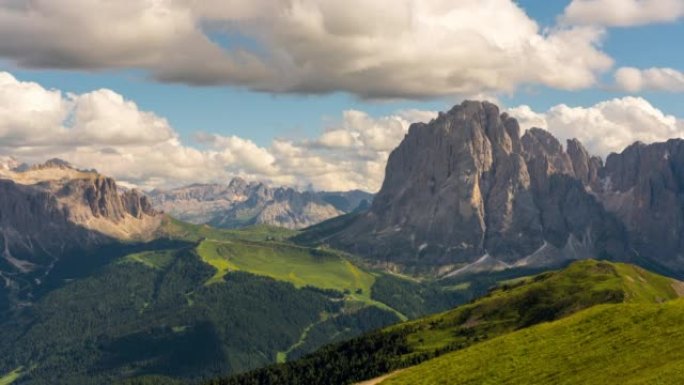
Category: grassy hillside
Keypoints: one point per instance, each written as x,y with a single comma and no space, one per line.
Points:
10,377
151,313
297,265
514,306
541,298
608,344
300,266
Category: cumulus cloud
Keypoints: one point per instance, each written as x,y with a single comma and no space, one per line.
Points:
527,117
374,49
623,13
26,109
653,79
31,116
164,36
605,127
105,131
359,130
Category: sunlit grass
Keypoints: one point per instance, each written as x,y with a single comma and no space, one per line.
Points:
297,265
11,377
607,344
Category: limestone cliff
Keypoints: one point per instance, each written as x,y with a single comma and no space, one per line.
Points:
49,209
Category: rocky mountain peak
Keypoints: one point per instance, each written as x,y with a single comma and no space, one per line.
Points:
585,167
240,185
440,181
106,201
55,163
53,207
467,185
538,144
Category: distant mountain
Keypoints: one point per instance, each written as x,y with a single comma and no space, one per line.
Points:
467,192
51,211
242,203
508,311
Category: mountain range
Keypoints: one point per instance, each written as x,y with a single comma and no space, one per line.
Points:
469,192
101,285
241,203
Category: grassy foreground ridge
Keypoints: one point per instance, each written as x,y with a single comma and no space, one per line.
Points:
607,344
512,307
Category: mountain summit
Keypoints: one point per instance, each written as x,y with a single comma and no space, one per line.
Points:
467,192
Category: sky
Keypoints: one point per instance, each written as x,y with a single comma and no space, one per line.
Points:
315,94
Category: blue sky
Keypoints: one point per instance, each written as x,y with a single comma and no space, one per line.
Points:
301,93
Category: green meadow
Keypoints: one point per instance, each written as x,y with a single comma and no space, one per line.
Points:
607,344
290,263
541,298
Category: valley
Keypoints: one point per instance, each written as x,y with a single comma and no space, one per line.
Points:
203,302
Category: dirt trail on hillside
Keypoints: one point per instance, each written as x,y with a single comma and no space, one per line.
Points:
678,287
378,380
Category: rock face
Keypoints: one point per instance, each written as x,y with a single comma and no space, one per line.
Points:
50,209
467,192
644,187
240,203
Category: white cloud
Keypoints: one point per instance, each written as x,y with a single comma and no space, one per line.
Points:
32,116
164,36
103,130
655,79
528,118
623,13
26,109
104,117
244,155
605,127
382,48
351,153
337,139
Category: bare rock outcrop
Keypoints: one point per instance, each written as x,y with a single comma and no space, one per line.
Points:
50,209
644,187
